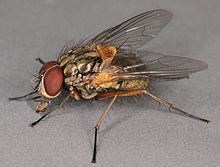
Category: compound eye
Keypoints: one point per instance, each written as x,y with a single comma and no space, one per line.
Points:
47,65
53,81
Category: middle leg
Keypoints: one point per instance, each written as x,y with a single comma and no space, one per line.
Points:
100,120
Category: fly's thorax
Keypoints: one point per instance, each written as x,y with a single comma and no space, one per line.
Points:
65,59
81,70
80,82
78,70
79,63
79,67
74,54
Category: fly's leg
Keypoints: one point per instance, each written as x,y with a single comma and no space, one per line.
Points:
132,93
22,97
74,93
170,106
40,61
101,119
104,114
156,98
49,111
120,93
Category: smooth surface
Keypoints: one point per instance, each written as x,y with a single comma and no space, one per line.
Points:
137,132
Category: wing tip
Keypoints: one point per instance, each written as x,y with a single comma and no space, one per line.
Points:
204,65
165,12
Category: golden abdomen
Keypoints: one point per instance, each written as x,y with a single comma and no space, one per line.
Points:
134,85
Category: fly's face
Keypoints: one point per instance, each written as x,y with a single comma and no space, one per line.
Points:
51,83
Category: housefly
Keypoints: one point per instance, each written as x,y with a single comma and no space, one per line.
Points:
110,65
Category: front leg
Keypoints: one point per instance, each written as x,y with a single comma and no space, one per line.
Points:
27,96
49,111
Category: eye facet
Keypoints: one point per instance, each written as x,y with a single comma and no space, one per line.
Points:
52,80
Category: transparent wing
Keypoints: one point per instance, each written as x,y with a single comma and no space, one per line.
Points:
136,31
155,66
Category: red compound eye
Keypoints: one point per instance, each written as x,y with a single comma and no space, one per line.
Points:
52,80
47,65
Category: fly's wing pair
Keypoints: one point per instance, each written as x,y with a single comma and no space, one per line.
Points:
155,66
136,31
133,34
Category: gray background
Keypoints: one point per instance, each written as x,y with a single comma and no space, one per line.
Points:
137,132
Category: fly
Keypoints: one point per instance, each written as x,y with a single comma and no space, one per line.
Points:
109,65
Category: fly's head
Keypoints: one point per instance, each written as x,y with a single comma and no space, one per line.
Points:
50,84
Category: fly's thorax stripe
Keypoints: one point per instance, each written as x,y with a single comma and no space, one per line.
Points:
66,59
70,69
85,66
92,54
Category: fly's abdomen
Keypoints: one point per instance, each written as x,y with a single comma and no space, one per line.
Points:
134,85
